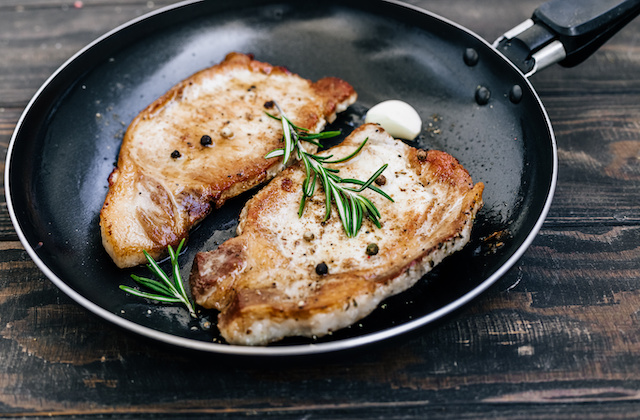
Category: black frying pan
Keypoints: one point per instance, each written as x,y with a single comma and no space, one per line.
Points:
67,140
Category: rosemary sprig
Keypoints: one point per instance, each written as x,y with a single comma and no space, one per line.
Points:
166,290
351,205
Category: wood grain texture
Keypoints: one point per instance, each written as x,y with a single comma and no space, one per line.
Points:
558,337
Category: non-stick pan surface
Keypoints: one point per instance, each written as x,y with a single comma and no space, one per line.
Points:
67,141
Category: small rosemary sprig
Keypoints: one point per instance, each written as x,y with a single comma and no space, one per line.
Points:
166,290
351,205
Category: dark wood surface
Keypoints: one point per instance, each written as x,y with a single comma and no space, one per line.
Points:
557,337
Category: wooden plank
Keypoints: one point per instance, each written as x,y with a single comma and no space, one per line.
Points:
39,38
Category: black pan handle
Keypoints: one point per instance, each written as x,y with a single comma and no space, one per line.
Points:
565,32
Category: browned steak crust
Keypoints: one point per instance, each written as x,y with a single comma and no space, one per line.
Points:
201,143
264,281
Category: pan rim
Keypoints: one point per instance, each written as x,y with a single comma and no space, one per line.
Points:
293,350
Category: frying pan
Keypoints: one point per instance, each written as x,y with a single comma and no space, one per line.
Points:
475,99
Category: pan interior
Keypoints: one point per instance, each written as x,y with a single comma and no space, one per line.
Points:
68,140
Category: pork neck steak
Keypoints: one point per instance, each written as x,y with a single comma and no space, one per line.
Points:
265,281
202,143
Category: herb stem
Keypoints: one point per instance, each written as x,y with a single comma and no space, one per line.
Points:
350,204
166,290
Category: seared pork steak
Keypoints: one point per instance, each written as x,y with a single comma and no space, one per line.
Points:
202,143
289,276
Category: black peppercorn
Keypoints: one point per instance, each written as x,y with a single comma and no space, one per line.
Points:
372,249
269,104
206,140
175,154
322,269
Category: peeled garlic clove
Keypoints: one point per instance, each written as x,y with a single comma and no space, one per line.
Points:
398,118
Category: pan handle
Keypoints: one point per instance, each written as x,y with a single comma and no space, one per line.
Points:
565,32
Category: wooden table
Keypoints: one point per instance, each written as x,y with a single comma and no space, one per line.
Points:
557,337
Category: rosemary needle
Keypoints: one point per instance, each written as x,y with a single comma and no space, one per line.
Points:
351,205
165,289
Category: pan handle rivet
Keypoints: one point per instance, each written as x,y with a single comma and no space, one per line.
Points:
515,94
470,57
482,95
